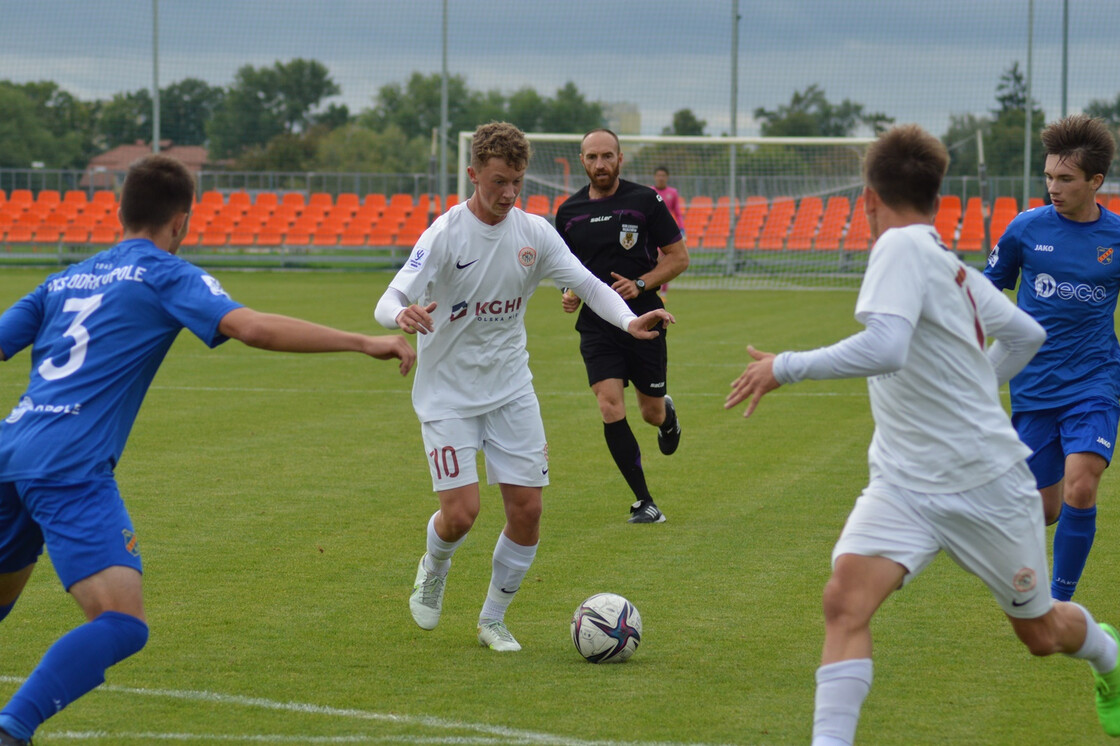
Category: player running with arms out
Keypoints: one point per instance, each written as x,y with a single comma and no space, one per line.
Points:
98,332
464,289
1064,403
947,470
615,228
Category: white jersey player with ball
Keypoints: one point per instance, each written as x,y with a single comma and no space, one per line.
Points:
465,289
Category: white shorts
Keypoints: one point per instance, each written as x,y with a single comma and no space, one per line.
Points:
995,531
511,438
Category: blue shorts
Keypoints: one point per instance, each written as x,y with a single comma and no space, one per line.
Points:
84,524
1087,426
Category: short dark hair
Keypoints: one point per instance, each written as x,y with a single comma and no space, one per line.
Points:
500,140
1083,141
661,168
589,133
155,188
905,167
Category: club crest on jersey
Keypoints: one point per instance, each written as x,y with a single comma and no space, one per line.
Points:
527,256
1024,580
1104,256
628,236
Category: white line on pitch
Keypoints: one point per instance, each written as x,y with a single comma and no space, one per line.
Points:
495,733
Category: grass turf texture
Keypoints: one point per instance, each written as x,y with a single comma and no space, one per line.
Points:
281,499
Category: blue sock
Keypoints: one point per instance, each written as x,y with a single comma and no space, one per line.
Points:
74,665
6,609
1073,538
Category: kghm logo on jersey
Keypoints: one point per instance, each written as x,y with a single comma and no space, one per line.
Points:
1104,256
497,310
527,256
628,236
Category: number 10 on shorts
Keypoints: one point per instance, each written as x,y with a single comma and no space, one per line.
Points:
445,462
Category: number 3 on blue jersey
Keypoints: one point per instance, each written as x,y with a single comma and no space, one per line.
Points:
83,307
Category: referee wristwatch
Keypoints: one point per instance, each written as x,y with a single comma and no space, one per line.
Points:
640,284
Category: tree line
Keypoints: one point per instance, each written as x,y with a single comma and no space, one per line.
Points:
280,118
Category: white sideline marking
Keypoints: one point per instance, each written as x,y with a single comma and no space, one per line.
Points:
492,734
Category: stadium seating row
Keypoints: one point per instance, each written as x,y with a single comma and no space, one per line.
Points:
270,219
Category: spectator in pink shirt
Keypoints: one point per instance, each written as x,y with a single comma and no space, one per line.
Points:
672,199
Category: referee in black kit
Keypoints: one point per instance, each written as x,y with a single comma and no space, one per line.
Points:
615,227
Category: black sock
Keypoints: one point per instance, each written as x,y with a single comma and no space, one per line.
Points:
627,456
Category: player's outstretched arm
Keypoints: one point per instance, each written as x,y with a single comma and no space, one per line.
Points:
642,326
269,331
755,382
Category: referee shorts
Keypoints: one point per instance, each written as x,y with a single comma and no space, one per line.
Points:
613,353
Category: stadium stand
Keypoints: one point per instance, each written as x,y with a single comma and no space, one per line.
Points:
858,237
1004,210
750,220
835,217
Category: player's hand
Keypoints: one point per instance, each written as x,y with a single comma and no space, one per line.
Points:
756,381
624,286
416,319
642,327
392,346
569,301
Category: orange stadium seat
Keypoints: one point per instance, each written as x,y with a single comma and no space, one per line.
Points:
213,198
835,217
1034,202
266,201
349,201
696,216
321,200
806,222
1004,210
356,234
104,235
271,238
947,218
858,237
718,229
21,196
19,233
777,224
242,237
750,220
538,204
297,237
294,200
50,234
972,226
75,234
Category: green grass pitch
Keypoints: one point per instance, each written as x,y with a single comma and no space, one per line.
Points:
281,499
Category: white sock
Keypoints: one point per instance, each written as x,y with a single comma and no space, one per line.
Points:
511,562
1099,648
439,551
841,689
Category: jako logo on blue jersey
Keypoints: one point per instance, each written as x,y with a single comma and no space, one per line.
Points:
1046,286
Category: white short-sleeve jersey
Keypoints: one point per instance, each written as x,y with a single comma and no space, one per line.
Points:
481,278
939,423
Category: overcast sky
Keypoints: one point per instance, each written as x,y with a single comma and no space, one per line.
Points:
915,60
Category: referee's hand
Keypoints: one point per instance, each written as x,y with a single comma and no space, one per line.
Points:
643,326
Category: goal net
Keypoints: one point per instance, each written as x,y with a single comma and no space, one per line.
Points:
758,212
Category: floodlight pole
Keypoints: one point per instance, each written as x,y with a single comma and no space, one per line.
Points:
1027,108
734,133
1065,55
155,76
442,179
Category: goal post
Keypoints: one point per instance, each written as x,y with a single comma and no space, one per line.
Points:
787,217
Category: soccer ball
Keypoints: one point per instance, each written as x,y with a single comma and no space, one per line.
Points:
606,628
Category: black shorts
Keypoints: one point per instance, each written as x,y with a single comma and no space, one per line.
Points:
613,353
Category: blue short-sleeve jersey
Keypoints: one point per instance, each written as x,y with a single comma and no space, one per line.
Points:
98,332
1070,281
